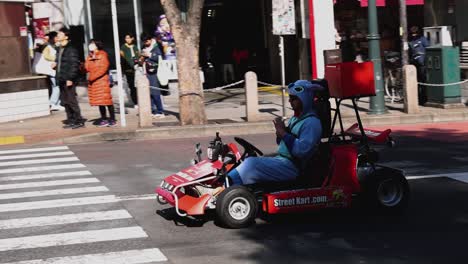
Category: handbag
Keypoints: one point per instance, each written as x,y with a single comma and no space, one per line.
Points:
162,74
151,66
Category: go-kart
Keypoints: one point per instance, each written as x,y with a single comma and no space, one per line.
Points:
342,173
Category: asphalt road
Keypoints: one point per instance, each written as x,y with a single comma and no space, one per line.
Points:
434,230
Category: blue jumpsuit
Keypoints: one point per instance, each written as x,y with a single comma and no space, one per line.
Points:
297,146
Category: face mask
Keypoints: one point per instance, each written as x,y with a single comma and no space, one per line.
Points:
92,47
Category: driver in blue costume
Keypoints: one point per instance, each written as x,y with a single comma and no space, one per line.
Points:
296,143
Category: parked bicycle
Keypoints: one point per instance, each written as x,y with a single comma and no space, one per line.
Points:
393,76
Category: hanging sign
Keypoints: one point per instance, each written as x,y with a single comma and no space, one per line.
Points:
23,31
284,22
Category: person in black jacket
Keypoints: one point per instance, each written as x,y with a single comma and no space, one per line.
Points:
67,73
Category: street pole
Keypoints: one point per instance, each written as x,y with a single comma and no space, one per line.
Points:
283,81
377,102
90,20
138,23
404,33
123,121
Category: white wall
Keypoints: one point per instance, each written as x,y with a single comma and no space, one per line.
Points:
324,21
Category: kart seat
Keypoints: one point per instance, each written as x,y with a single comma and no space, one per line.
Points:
316,169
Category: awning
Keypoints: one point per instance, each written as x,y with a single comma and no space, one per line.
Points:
383,2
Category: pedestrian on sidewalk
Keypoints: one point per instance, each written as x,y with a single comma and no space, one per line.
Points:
418,44
129,54
150,56
67,72
44,59
99,91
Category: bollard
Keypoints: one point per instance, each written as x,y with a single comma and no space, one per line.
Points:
144,103
251,96
410,87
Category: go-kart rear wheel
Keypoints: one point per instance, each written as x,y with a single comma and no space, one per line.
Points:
388,192
236,207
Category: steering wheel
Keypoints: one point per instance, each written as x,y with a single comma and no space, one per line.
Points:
249,148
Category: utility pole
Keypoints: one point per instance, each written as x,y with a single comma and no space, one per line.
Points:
115,27
377,102
404,33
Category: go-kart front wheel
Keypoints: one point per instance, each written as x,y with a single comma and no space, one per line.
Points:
236,207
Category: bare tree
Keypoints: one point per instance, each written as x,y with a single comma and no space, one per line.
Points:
187,38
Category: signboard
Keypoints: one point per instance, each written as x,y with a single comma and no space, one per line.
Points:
23,31
41,27
377,2
284,22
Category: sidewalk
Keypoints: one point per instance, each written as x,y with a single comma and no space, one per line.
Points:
225,110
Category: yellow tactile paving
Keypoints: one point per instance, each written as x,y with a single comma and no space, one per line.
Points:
272,89
11,140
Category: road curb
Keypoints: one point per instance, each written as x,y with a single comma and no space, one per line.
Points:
172,132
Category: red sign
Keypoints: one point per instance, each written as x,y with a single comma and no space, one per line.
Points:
23,31
377,2
41,27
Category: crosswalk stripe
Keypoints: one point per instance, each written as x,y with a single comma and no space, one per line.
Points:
47,183
56,203
42,168
122,257
45,176
14,151
72,238
6,196
37,155
459,176
38,161
64,219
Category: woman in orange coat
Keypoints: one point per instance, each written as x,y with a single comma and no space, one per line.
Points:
99,91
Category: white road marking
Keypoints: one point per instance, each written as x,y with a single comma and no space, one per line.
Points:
37,155
47,183
462,176
56,203
64,219
72,238
150,196
122,257
43,168
38,161
45,175
15,151
6,196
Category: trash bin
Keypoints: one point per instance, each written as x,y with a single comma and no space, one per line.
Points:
443,67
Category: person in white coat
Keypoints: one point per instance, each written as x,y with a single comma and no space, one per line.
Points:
44,62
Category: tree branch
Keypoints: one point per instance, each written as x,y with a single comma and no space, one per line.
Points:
172,12
195,10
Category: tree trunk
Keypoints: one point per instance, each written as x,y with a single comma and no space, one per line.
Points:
187,39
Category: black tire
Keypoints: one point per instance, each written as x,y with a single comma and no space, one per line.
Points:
236,207
389,193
